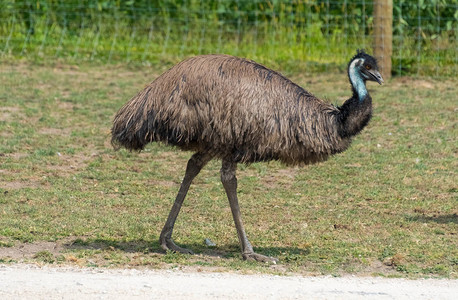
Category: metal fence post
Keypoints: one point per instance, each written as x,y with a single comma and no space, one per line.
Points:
383,35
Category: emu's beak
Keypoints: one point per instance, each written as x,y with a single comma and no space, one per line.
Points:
376,76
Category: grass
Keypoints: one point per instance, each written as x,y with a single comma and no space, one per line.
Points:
387,206
304,46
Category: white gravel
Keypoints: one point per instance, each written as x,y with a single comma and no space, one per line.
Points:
32,282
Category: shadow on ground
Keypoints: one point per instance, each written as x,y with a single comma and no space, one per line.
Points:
440,219
145,247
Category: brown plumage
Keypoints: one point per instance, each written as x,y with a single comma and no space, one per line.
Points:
239,111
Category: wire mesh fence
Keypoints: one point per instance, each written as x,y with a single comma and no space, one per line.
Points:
309,35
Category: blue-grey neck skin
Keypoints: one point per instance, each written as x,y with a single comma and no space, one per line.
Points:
356,79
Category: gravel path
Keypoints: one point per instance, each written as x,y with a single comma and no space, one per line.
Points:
32,282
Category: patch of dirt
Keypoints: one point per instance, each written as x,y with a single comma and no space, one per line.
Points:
21,251
378,267
66,105
54,131
404,81
19,184
44,86
7,111
419,83
5,134
64,69
70,164
17,155
280,178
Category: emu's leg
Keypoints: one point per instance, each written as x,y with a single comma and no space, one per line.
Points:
195,164
229,181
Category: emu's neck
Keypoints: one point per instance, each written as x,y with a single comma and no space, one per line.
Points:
357,82
356,112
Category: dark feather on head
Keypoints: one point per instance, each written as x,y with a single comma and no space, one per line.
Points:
368,59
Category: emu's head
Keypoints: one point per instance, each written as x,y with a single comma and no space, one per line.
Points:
365,67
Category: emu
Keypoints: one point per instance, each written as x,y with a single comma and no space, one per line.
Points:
239,111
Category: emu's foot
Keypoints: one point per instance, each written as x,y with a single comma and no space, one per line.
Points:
259,257
168,244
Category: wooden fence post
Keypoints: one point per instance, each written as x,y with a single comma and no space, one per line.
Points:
383,35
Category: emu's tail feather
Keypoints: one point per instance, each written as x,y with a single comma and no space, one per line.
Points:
119,140
130,129
125,138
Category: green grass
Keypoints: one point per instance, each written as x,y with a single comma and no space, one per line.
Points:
294,35
293,48
387,206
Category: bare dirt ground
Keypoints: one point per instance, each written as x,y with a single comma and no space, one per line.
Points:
34,282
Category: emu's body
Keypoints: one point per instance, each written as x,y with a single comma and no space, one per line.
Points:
240,112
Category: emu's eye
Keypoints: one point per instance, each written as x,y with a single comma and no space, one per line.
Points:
368,67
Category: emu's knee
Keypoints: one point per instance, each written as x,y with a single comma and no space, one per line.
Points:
228,174
195,164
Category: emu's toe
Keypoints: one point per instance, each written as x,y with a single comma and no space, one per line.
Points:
259,257
168,244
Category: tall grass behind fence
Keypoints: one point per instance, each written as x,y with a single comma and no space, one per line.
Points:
296,35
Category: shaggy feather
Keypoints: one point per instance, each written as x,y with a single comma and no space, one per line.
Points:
240,110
